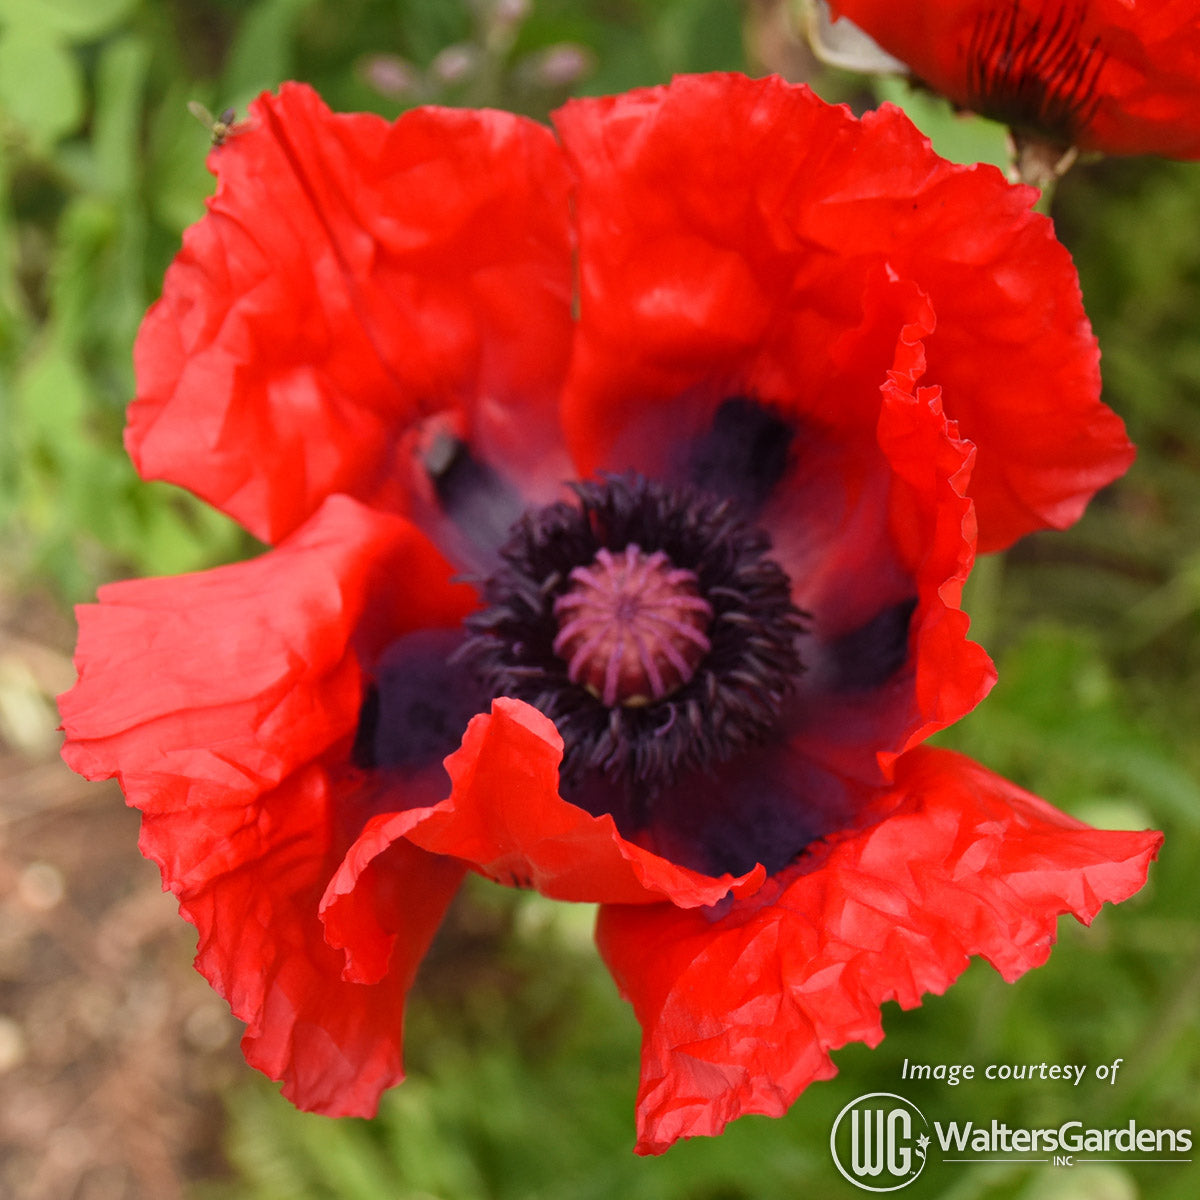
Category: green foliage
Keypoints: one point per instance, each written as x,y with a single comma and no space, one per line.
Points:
87,237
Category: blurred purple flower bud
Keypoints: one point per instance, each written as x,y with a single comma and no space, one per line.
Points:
390,75
510,12
455,63
561,65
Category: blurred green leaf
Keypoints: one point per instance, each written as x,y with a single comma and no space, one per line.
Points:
261,57
76,20
41,86
699,35
51,396
116,135
87,230
13,315
1056,723
960,137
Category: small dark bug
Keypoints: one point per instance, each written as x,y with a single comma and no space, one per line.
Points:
220,127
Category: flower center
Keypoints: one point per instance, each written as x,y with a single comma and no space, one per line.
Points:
1036,74
631,626
649,623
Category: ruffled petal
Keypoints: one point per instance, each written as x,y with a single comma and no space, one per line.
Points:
373,901
1138,61
727,230
251,883
352,279
885,535
505,818
932,522
224,703
739,1013
218,684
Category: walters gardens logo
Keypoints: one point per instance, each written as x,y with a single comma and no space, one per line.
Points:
881,1142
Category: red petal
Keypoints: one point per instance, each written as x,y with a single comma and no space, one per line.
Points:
728,231
1144,92
932,522
865,527
251,880
504,816
352,278
219,700
738,1014
239,675
371,900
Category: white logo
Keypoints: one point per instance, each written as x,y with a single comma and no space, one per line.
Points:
878,1142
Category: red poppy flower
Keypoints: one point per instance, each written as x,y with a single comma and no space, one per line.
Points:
690,685
1114,75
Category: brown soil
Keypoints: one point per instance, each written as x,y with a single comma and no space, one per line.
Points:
113,1051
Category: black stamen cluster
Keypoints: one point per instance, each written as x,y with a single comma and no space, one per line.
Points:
734,698
1034,75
